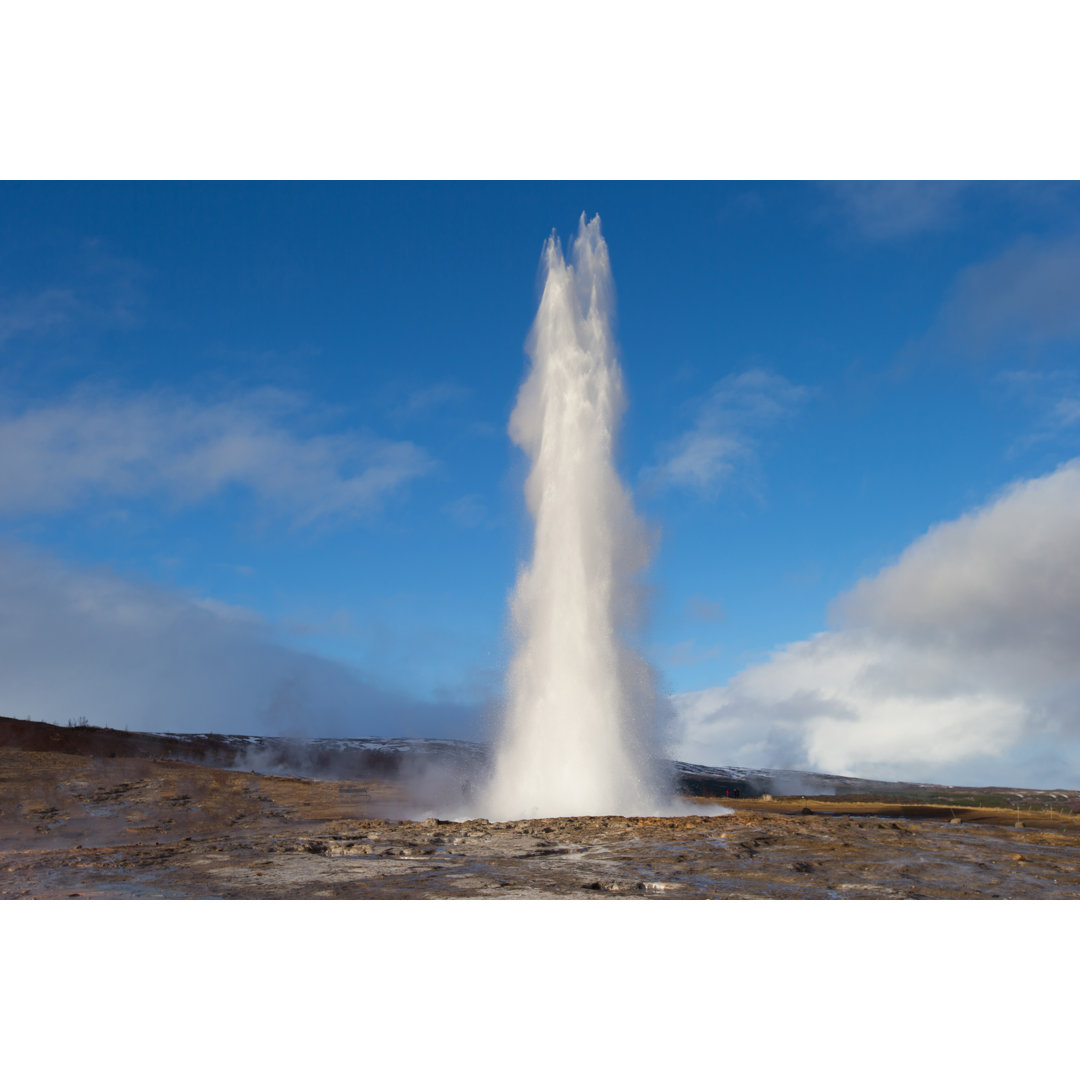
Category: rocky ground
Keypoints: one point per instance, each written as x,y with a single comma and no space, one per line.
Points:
89,826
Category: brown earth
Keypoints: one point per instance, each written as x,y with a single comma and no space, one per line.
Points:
82,825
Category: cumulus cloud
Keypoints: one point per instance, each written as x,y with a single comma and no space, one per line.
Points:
725,432
958,663
1028,295
96,446
894,209
76,642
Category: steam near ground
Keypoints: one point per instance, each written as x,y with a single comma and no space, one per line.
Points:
439,782
438,778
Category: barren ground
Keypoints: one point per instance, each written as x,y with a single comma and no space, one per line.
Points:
109,827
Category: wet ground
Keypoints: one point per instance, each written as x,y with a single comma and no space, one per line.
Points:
86,827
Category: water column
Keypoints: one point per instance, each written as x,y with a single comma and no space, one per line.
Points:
577,737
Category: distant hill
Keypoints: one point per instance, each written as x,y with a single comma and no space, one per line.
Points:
357,758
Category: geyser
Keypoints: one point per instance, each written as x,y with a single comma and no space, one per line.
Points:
579,729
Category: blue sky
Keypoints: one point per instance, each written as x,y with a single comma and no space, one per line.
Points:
254,470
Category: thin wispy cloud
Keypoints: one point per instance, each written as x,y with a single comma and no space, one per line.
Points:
686,654
885,210
958,663
103,290
1028,295
1066,412
469,512
108,448
1052,399
725,434
427,399
35,312
705,610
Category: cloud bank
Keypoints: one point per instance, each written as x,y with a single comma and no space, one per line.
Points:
76,642
958,663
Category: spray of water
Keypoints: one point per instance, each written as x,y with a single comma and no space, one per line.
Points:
579,728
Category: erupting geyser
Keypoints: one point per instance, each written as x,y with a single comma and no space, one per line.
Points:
578,735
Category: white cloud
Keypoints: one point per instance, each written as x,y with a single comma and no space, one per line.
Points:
960,662
725,432
77,642
93,446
